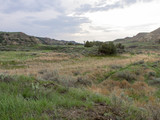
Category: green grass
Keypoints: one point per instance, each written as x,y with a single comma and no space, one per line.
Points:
26,98
112,72
158,93
68,49
12,64
50,48
15,55
12,59
156,69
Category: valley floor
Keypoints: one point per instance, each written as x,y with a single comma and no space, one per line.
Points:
59,85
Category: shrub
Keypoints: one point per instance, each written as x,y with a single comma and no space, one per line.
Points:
64,80
151,74
50,75
154,110
155,81
124,103
107,49
67,81
6,78
139,62
116,66
1,39
126,75
88,44
83,81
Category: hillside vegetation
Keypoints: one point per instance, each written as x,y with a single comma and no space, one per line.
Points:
19,38
142,41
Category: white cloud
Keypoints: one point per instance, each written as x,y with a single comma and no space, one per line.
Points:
122,22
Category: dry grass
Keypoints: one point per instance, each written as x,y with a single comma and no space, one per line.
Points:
52,57
138,91
66,64
138,87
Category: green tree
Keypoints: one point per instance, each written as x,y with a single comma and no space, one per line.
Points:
120,46
88,44
70,43
107,48
1,39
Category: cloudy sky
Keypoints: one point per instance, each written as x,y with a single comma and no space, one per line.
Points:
80,20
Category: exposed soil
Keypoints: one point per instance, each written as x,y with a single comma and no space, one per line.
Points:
99,111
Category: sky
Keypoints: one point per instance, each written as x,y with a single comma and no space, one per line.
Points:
80,20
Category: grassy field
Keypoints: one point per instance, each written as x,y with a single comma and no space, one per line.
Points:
70,82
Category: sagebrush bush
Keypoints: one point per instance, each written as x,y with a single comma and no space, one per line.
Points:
139,62
6,78
155,81
83,81
116,66
126,75
125,103
65,80
151,74
50,75
76,72
153,110
110,84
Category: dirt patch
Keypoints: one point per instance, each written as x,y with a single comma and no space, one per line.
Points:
99,111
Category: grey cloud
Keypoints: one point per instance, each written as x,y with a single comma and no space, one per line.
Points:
102,6
31,18
10,6
63,24
98,7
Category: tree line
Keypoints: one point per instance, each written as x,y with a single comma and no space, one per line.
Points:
106,48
